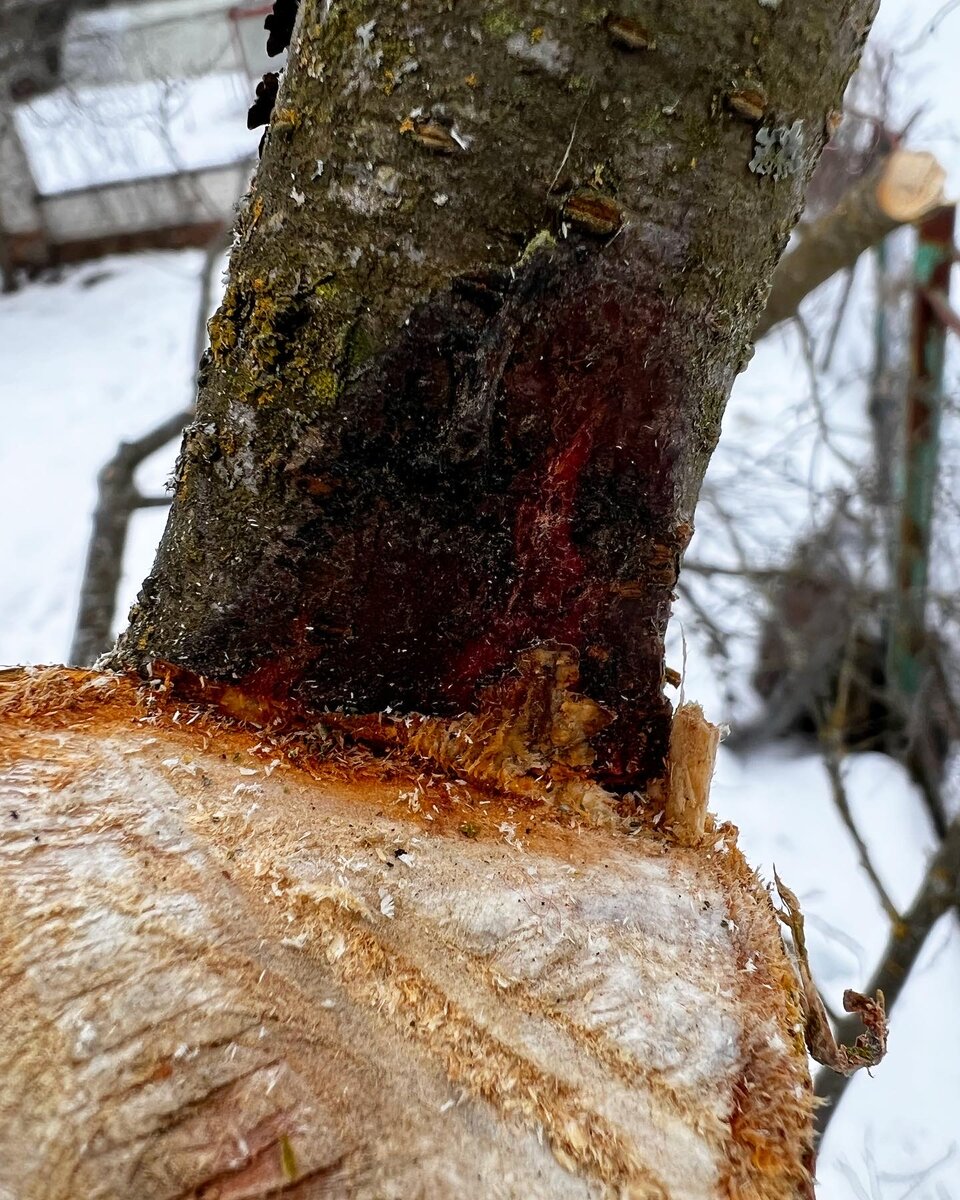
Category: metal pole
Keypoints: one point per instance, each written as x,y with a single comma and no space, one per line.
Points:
932,263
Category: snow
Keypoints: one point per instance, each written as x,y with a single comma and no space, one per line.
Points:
87,363
80,137
106,352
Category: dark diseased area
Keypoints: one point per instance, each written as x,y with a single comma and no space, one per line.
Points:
504,475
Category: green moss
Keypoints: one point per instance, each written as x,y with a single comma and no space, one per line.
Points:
324,386
593,14
502,20
277,340
360,346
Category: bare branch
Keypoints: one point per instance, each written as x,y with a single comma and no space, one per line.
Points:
118,498
938,17
754,574
849,277
816,395
903,187
831,759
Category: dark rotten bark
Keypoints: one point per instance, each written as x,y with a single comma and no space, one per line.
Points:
498,270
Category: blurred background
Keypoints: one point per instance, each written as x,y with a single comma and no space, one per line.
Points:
818,612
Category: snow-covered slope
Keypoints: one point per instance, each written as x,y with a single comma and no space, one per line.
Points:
101,356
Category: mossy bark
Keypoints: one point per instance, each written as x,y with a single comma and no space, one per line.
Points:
499,267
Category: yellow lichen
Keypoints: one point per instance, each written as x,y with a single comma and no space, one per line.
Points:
284,119
325,385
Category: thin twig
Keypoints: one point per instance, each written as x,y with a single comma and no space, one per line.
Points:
938,17
716,636
868,595
754,574
816,396
566,153
152,501
827,357
831,760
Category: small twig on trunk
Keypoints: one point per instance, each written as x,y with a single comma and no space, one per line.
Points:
939,892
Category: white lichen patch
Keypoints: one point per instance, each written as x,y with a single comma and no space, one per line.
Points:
778,151
543,52
365,34
240,468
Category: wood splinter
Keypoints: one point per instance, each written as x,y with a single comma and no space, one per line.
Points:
693,754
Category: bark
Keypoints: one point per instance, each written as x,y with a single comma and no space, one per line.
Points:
902,188
497,272
244,965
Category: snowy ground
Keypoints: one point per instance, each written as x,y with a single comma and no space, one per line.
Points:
104,353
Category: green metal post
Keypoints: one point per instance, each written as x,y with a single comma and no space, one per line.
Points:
908,635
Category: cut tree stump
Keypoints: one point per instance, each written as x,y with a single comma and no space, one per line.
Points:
244,963
904,187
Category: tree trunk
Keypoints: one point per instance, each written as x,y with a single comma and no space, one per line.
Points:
487,299
243,965
489,293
